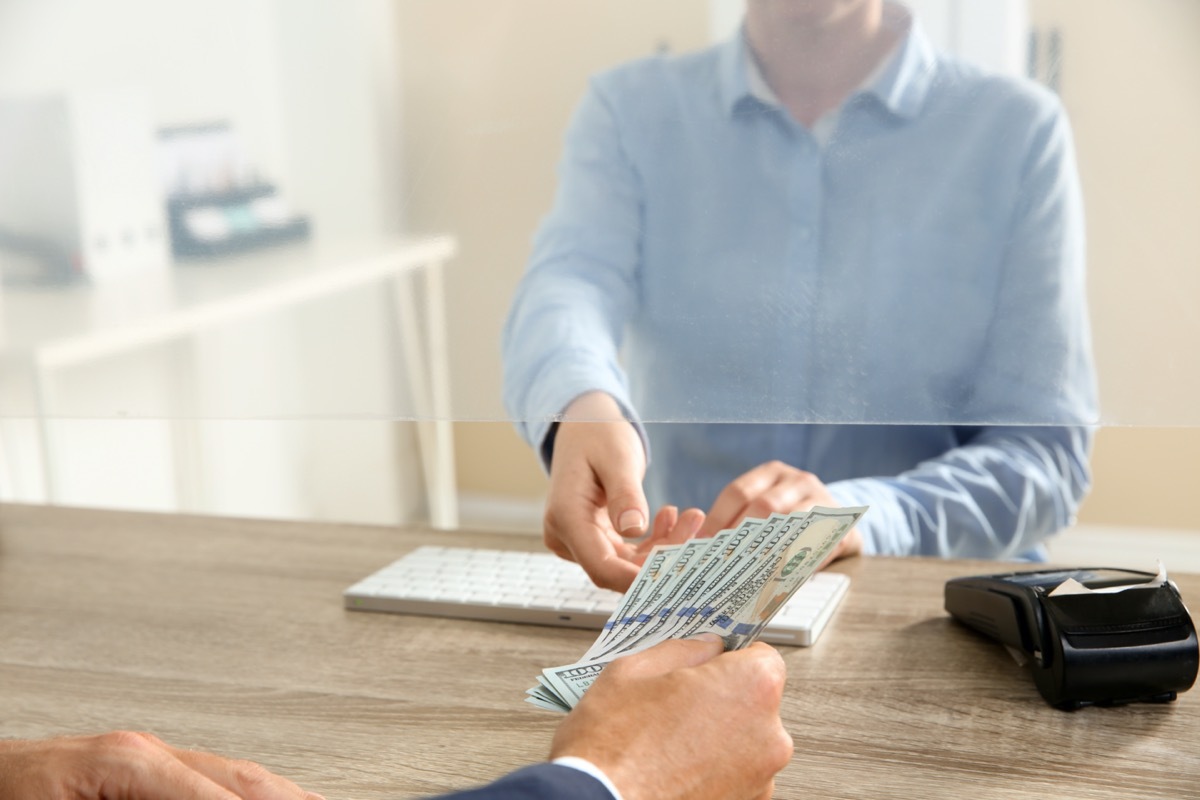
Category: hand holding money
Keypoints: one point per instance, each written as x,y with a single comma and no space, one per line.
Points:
683,720
730,585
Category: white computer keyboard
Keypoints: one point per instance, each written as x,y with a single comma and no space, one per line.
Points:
540,588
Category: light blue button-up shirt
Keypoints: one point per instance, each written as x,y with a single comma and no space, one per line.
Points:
900,311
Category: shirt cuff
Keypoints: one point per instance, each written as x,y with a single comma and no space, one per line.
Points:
885,527
546,431
583,765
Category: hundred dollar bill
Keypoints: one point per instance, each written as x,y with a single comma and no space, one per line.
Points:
542,697
653,570
732,587
670,582
729,549
643,585
710,590
762,536
728,595
741,623
570,682
735,594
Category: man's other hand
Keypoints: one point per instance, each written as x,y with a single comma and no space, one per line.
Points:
132,766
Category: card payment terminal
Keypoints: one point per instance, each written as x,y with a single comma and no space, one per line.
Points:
1119,636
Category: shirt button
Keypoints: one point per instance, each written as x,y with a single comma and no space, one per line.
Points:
804,232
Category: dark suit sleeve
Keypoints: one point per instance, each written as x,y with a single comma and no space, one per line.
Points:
538,782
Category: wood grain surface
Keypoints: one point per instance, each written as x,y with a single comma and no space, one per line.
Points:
230,635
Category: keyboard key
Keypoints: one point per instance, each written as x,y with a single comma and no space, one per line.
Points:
580,606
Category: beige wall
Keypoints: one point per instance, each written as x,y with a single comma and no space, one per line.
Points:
1131,84
1145,476
489,86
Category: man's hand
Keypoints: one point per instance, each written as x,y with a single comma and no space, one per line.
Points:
132,766
771,488
595,507
684,720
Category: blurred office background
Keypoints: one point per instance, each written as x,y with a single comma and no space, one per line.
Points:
380,119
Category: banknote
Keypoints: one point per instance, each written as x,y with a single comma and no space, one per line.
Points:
542,697
741,623
713,569
731,585
568,683
636,594
690,556
745,562
713,593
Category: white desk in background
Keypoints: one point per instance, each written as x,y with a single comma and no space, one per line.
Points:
45,330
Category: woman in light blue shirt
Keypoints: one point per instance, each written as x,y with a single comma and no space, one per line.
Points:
817,264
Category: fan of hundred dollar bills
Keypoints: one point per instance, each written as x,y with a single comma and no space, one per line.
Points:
730,585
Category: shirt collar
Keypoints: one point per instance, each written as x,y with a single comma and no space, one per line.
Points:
904,83
901,85
731,73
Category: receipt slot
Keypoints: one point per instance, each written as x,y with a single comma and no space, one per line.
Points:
1093,636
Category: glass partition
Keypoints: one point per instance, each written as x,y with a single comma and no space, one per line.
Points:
196,154
474,211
